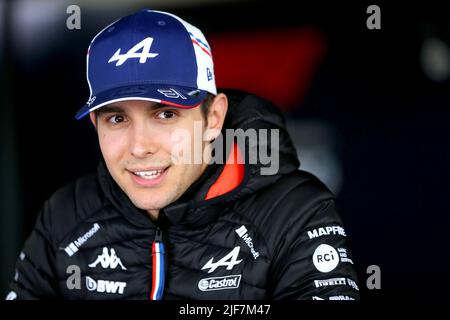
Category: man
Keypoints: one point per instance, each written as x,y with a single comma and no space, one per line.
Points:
180,208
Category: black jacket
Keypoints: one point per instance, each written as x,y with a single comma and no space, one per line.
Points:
268,237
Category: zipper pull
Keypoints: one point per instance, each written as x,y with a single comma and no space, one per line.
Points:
158,235
158,273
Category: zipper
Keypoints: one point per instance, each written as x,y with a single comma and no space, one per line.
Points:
158,263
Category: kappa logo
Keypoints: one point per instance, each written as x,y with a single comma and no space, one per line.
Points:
73,247
229,261
145,54
108,260
105,286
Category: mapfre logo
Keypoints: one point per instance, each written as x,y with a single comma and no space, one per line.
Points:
108,260
229,261
133,53
105,286
326,231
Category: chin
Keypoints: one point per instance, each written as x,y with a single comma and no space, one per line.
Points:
151,198
148,205
144,203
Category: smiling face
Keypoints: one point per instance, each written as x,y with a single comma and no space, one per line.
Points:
137,142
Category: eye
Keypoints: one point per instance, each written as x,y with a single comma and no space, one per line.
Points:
115,119
166,114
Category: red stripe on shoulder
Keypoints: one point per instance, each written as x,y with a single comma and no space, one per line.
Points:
231,176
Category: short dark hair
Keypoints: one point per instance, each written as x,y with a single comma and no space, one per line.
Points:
204,107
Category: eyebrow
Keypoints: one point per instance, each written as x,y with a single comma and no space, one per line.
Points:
119,109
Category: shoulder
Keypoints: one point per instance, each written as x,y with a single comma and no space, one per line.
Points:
293,194
293,204
71,205
300,190
305,201
82,193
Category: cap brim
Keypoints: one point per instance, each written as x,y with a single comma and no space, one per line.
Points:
177,96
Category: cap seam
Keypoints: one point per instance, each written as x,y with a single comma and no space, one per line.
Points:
156,82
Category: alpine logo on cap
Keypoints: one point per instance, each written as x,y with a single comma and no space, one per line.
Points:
145,45
171,93
91,100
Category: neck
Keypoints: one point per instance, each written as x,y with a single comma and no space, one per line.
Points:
153,214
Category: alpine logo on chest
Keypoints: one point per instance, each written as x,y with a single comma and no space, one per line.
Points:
228,261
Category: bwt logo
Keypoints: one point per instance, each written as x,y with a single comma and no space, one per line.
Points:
105,286
101,286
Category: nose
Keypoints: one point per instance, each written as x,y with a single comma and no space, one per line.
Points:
143,142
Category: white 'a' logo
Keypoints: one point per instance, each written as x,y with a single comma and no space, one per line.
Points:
133,53
229,261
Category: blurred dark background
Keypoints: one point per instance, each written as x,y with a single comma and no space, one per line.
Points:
368,110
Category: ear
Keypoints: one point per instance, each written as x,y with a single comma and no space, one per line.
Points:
216,114
93,117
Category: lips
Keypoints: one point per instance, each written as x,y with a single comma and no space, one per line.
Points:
148,177
149,174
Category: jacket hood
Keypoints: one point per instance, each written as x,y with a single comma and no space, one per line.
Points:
274,154
223,183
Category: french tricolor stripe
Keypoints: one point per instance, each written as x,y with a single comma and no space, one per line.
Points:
199,40
158,271
204,50
200,44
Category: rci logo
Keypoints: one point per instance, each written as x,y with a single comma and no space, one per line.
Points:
325,258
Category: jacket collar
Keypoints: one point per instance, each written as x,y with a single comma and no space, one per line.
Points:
220,184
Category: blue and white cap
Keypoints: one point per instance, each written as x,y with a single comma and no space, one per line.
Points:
150,55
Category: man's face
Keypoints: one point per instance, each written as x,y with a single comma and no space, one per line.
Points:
136,140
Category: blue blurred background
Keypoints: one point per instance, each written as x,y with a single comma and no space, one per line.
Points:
367,109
